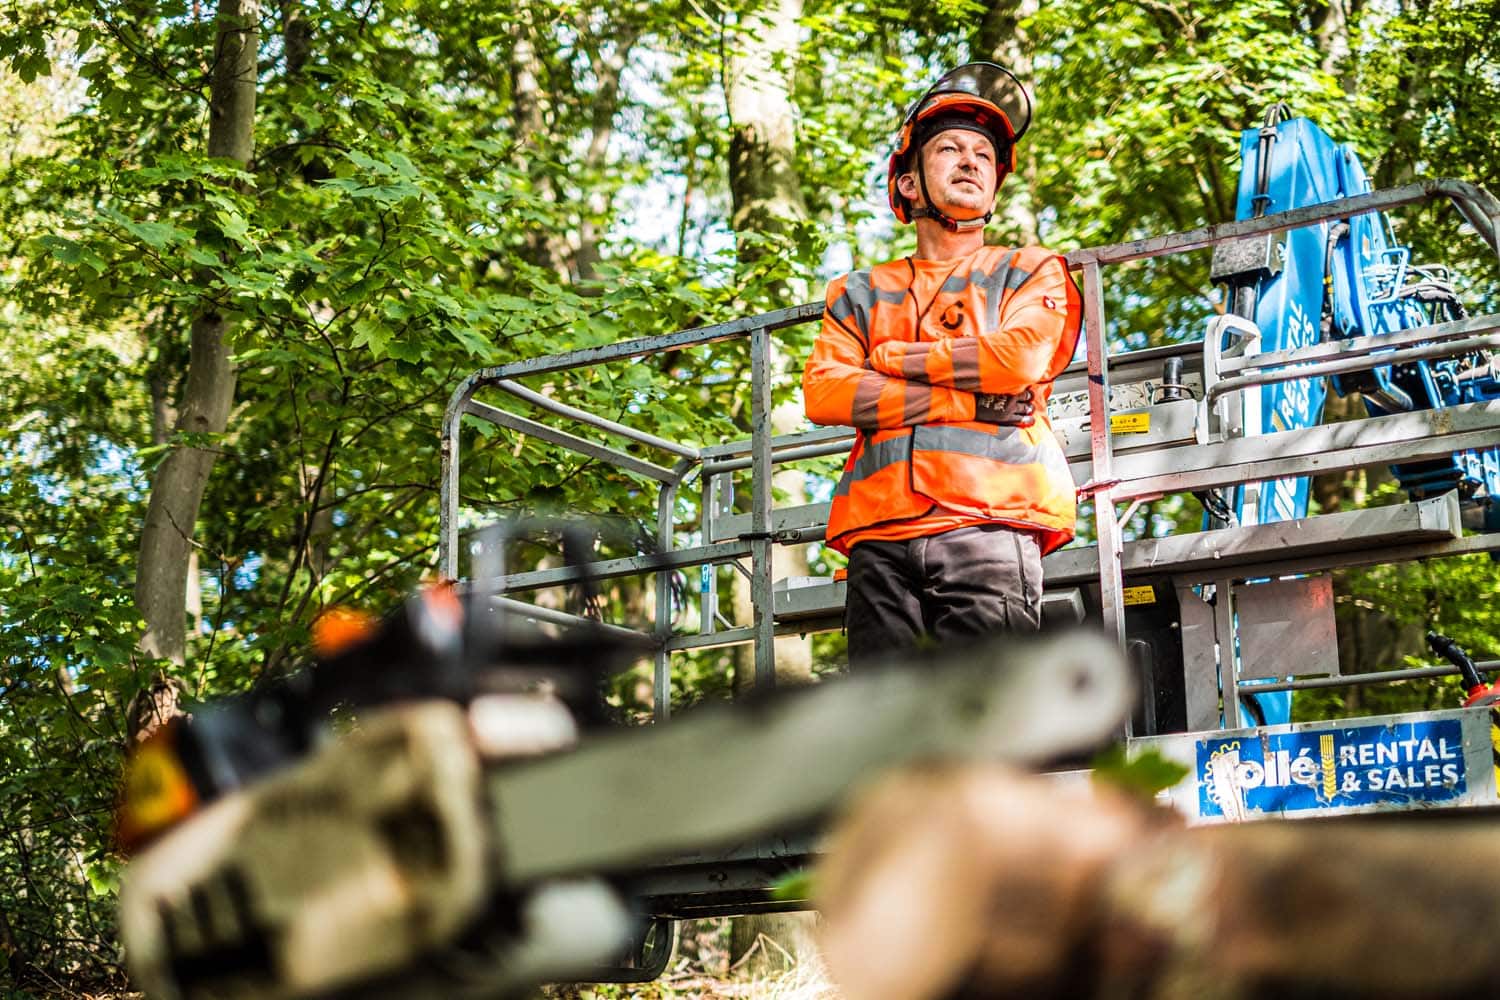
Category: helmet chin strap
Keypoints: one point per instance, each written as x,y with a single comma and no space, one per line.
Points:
937,215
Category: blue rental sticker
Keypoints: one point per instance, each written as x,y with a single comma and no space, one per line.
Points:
1333,768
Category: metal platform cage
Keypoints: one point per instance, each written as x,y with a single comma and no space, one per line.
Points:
1192,444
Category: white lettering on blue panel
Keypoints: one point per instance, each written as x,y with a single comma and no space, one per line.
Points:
1393,764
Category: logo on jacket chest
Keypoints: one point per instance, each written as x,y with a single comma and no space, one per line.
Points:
953,317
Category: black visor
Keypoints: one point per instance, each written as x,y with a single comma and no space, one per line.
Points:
990,82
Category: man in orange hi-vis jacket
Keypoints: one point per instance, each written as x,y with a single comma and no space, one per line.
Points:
944,361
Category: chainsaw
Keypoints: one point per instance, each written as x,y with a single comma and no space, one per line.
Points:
438,806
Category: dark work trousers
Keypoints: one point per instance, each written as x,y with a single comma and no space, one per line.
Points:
957,585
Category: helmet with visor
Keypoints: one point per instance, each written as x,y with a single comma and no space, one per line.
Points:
980,97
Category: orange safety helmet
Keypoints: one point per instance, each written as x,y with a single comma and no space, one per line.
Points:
980,97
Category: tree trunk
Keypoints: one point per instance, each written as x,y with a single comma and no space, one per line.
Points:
17,962
767,196
763,178
208,392
296,36
153,707
1333,23
1404,121
1001,39
607,66
765,945
544,248
570,251
767,199
978,882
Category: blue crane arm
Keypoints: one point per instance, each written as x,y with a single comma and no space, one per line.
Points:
1340,279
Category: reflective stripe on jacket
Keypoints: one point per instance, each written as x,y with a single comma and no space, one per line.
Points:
902,351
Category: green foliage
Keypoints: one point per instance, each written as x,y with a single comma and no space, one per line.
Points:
67,645
437,188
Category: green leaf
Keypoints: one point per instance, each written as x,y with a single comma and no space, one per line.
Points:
794,887
154,234
366,163
474,341
371,334
62,249
1143,773
234,226
402,166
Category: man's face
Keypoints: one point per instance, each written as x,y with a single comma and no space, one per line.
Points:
960,168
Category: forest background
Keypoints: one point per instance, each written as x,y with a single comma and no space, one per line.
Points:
248,250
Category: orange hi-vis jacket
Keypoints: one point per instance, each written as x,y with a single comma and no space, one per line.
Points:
903,350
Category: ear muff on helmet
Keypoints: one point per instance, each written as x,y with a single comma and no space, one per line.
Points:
980,97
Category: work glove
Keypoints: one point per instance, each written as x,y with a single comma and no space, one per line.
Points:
1006,410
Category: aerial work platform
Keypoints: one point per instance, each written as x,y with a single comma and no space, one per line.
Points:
1202,616
1154,437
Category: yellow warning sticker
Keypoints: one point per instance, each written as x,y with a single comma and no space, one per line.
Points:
1139,595
1130,423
